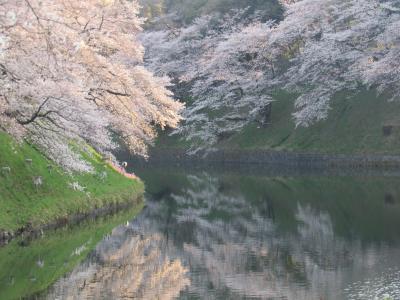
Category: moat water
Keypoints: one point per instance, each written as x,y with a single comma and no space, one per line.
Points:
226,234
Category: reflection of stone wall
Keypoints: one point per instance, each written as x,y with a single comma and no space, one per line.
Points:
166,156
125,266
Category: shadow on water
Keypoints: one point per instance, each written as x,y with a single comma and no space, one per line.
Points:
245,234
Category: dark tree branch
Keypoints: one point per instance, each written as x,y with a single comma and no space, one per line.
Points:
36,114
117,93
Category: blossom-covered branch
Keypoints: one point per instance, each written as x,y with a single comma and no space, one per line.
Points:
232,64
71,70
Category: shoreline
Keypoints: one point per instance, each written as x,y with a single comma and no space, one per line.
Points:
268,157
60,197
29,232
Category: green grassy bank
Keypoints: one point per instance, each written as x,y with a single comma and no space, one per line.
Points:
361,124
22,203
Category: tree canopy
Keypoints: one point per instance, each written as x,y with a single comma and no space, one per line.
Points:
71,73
232,65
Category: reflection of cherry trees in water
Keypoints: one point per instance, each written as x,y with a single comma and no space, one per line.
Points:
125,265
235,248
232,245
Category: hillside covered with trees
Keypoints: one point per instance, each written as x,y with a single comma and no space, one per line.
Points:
289,75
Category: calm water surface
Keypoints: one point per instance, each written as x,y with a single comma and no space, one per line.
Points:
236,235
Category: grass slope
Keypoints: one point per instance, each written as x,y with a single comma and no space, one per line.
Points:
355,125
21,203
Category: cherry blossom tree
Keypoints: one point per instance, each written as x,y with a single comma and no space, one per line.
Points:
71,73
340,46
225,78
232,65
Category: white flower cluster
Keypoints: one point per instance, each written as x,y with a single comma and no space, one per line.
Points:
70,73
232,65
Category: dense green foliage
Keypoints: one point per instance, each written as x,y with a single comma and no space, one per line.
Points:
21,202
192,9
21,273
187,10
